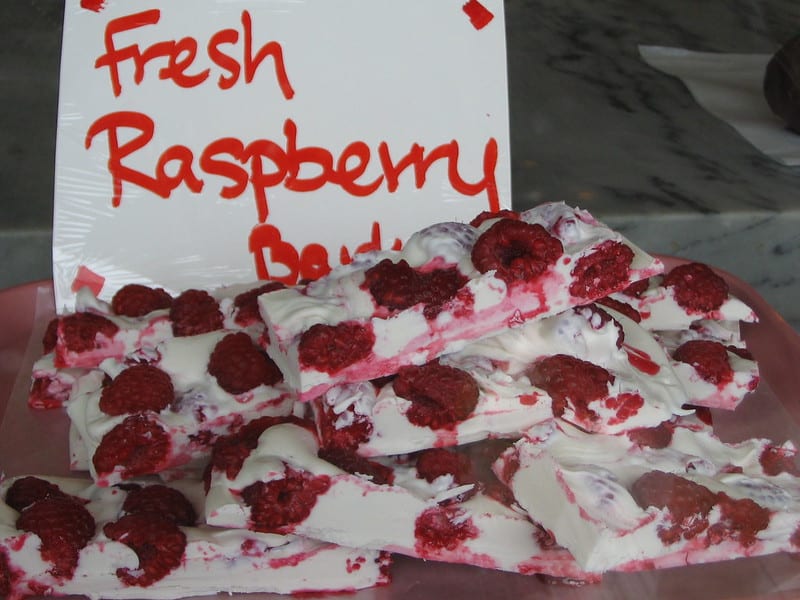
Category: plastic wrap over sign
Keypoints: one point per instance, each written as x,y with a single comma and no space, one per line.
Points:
212,142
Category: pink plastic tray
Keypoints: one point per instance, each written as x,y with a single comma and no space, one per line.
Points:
36,442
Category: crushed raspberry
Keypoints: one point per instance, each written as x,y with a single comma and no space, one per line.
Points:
280,503
637,288
239,365
621,307
48,392
709,359
335,436
358,465
246,303
517,250
776,460
652,437
6,576
603,271
331,348
741,519
138,388
64,526
440,395
398,286
696,287
195,312
136,300
138,445
687,502
157,541
487,215
79,331
570,380
435,462
162,500
626,405
443,528
27,490
230,451
50,337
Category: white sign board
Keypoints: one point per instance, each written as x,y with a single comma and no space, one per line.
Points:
211,142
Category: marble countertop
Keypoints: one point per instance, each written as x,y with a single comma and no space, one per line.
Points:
591,124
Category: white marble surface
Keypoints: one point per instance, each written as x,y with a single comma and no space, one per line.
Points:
591,124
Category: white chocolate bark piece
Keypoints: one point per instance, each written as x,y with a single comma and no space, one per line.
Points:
50,385
211,560
618,503
200,411
375,420
386,505
378,334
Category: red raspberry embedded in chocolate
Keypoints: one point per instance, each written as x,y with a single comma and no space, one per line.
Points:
443,528
136,300
602,272
138,445
776,460
517,250
652,437
239,365
336,436
709,359
331,348
156,540
568,379
162,500
435,462
28,490
741,519
195,312
440,395
138,388
50,337
64,527
687,502
696,287
246,303
358,465
626,405
621,307
278,504
487,215
6,576
79,332
637,288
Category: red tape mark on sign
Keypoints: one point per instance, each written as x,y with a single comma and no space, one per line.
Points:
478,14
88,278
93,5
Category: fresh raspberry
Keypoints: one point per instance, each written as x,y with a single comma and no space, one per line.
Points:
621,307
741,519
443,528
138,445
602,272
696,287
776,460
50,337
162,500
652,437
239,365
687,502
137,300
517,250
331,348
195,312
336,436
440,395
138,388
570,380
64,526
79,332
278,504
435,462
358,465
487,215
246,303
28,490
157,541
230,451
709,359
398,286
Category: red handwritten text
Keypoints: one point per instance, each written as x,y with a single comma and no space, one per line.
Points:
180,55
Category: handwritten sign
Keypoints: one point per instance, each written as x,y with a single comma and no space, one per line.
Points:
211,142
